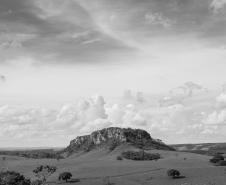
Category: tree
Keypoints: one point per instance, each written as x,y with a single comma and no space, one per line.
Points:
173,173
44,172
65,176
13,178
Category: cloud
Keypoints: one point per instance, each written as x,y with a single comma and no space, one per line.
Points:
179,94
2,78
53,31
216,118
217,5
158,19
87,115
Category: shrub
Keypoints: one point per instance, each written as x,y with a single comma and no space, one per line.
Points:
119,158
65,176
13,178
44,172
173,173
221,163
217,158
141,155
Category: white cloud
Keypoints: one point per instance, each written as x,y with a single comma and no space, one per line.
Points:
94,113
221,98
216,117
217,5
158,19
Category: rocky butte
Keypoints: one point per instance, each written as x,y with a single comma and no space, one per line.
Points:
113,137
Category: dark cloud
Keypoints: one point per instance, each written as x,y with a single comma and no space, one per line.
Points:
71,34
80,30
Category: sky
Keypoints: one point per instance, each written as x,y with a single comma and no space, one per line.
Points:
70,67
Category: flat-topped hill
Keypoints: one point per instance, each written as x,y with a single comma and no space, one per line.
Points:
113,137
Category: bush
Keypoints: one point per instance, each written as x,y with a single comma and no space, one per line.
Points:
141,155
173,173
13,178
221,163
44,172
119,158
65,176
217,158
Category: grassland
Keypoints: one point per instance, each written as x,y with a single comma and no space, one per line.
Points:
93,167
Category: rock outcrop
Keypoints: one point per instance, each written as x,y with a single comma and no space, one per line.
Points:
115,136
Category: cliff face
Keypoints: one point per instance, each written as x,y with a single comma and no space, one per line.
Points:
116,136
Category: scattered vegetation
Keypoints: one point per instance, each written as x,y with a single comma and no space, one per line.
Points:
13,178
65,176
44,172
140,155
216,158
35,154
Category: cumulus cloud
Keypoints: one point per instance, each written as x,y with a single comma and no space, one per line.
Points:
192,120
216,117
217,5
93,113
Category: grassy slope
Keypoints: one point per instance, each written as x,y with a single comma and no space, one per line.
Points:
93,166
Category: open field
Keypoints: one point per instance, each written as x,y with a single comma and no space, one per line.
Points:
91,168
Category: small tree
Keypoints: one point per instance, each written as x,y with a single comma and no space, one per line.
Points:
13,178
65,176
44,172
173,173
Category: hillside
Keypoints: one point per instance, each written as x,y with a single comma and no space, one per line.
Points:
113,137
202,148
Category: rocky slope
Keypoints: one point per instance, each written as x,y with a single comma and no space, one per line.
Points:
113,137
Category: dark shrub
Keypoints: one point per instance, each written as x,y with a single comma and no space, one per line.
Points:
119,158
65,176
13,178
217,158
173,173
44,172
141,155
221,163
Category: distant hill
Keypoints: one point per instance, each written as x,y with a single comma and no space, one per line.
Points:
113,137
202,148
